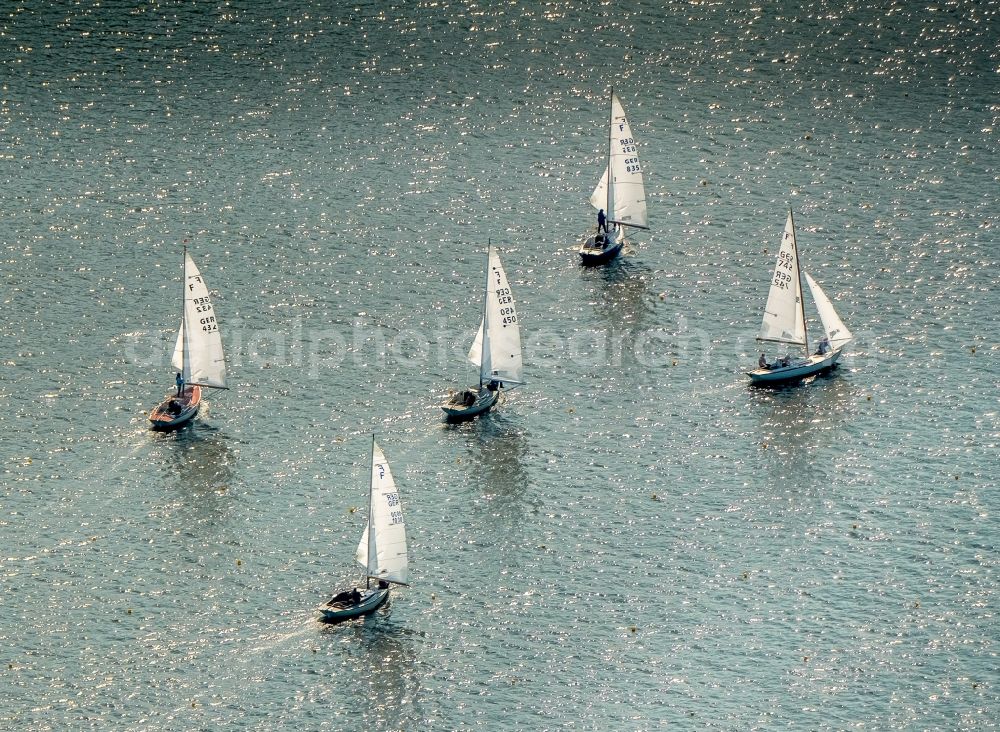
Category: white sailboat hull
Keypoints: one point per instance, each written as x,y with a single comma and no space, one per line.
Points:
342,607
799,369
456,409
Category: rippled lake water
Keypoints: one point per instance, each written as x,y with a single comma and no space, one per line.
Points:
634,540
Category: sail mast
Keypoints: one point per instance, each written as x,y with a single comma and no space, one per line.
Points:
611,123
486,304
185,354
372,548
798,284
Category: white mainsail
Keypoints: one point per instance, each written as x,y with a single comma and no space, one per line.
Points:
623,197
784,320
496,349
198,353
836,332
382,549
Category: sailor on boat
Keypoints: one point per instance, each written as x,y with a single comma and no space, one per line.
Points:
198,354
381,550
784,320
620,196
496,349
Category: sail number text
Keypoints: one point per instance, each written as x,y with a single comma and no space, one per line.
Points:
507,314
628,144
627,147
392,500
783,279
785,261
395,517
202,304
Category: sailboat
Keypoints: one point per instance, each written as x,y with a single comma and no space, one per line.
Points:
381,551
620,192
785,321
198,355
496,349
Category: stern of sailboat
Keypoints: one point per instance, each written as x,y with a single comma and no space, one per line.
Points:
341,607
458,410
601,247
176,411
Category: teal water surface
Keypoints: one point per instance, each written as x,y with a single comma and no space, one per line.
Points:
635,539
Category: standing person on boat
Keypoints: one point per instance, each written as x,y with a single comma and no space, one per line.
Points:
824,346
602,221
198,355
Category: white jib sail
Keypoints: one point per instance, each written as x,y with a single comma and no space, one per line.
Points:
783,319
177,360
476,352
836,332
500,358
382,549
626,202
599,198
198,353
